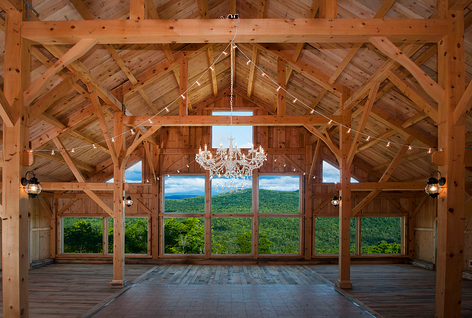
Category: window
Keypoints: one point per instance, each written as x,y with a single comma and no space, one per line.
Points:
327,235
136,235
242,134
184,194
237,202
332,174
133,174
83,234
381,235
277,234
184,236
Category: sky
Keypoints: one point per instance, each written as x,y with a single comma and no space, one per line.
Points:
242,134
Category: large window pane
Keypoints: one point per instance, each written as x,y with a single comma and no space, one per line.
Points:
381,235
279,194
184,194
279,235
136,235
231,235
83,234
242,134
184,235
327,235
223,201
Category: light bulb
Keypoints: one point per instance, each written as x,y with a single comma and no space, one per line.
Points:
198,83
52,152
349,131
112,139
132,132
330,122
183,97
150,121
409,148
295,100
368,138
94,147
73,150
312,111
249,61
211,68
429,151
278,88
167,109
388,144
264,74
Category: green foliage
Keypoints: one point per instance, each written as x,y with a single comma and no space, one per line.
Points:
136,235
184,236
82,236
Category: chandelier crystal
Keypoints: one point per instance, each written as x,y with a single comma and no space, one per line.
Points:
231,163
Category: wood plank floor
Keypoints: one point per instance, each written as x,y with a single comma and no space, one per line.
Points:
396,290
68,290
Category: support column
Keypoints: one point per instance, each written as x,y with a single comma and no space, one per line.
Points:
344,279
155,204
451,138
15,200
119,279
308,207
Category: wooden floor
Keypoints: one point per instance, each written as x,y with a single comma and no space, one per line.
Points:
68,290
396,290
71,290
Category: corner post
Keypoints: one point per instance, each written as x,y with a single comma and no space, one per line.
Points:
344,279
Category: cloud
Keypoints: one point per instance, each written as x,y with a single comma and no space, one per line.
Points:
184,185
282,183
221,181
332,174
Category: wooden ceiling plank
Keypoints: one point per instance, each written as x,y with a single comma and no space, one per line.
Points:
77,135
427,83
103,125
76,52
252,71
153,14
386,175
362,124
281,92
458,5
376,140
463,107
385,186
413,95
183,87
79,164
78,175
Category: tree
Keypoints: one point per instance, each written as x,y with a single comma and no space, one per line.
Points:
82,237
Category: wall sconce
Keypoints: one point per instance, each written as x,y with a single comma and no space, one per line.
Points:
335,201
31,186
433,185
128,201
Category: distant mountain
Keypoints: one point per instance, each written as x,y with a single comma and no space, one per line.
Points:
181,196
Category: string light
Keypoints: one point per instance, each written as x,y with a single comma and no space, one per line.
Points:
198,83
224,52
94,147
264,75
183,97
388,144
248,62
429,151
150,121
330,122
368,138
295,100
278,88
167,109
409,148
132,132
211,68
73,150
52,152
113,139
349,131
312,111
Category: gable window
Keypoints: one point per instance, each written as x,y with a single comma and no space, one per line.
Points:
242,134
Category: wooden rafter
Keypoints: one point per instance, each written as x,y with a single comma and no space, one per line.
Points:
322,137
135,144
77,51
362,124
463,107
386,175
427,83
77,163
315,5
316,157
6,112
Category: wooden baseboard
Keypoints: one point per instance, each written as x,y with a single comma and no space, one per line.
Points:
422,263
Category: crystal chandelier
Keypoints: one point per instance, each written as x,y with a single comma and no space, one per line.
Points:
230,162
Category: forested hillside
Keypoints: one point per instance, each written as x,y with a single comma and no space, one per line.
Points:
277,235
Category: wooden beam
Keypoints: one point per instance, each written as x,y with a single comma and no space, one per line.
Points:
463,107
386,186
137,10
103,125
78,175
67,206
258,120
249,30
211,61
135,144
315,5
77,186
439,158
77,51
360,129
203,9
6,112
322,137
11,5
316,158
426,82
183,111
281,93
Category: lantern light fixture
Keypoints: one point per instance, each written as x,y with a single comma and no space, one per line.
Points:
434,186
31,186
128,201
335,201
